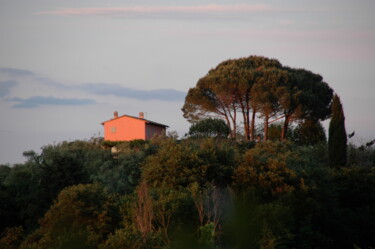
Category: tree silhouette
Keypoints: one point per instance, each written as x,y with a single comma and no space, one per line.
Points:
337,135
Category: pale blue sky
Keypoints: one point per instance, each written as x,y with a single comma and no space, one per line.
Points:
65,66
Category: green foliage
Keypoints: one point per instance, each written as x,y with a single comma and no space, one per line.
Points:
363,156
356,196
309,132
209,128
22,202
337,140
123,175
312,205
130,239
207,236
185,238
259,225
274,132
315,95
11,238
82,217
256,84
8,210
311,157
109,144
4,172
266,168
172,209
136,146
59,169
331,208
264,96
243,146
226,89
180,164
192,193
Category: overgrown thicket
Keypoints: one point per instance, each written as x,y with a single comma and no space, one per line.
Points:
190,193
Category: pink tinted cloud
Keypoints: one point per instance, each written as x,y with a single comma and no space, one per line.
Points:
211,8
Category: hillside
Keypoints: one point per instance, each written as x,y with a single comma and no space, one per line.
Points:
189,193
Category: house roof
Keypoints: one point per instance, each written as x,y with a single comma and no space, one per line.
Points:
147,121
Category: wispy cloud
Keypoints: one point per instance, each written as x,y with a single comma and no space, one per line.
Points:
14,72
141,10
5,87
125,92
38,101
27,84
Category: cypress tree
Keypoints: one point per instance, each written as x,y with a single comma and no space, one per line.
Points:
337,135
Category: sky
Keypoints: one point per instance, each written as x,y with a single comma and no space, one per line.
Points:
66,66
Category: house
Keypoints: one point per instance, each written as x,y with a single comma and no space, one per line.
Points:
127,128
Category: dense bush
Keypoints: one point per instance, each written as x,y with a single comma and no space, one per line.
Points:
82,217
209,127
192,193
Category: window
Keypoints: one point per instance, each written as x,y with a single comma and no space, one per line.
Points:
113,129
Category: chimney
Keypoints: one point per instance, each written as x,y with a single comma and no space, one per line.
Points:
141,115
115,114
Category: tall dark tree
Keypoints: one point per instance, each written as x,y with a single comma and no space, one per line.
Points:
337,135
246,86
303,96
226,91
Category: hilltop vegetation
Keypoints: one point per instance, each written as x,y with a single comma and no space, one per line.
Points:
225,185
190,193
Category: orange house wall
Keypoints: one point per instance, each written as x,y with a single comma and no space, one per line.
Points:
126,129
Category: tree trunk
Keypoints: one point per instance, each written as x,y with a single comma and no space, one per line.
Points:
285,127
245,114
233,118
234,125
266,127
228,123
252,128
248,135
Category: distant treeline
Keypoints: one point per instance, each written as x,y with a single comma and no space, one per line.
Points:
197,192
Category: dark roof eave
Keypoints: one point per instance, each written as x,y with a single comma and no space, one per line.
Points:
154,123
147,121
